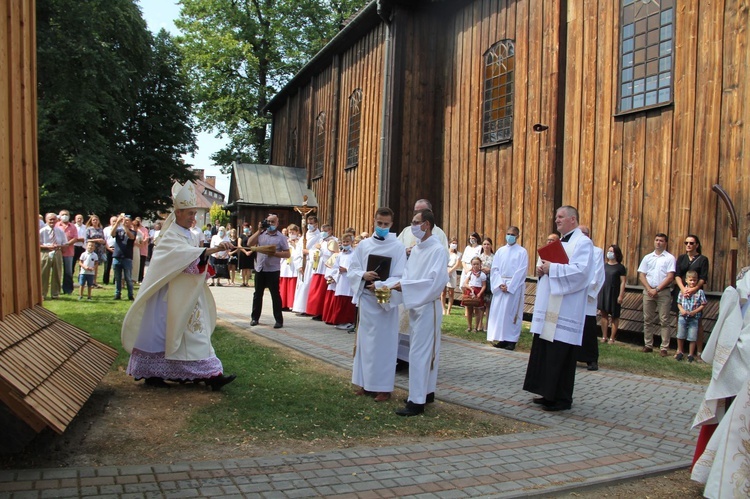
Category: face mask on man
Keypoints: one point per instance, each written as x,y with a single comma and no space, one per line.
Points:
510,239
610,255
310,227
324,235
417,231
346,247
271,228
221,233
64,218
382,232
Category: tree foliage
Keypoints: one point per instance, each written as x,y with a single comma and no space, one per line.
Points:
113,110
241,52
216,212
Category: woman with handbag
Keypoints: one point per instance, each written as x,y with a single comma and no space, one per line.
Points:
474,285
220,258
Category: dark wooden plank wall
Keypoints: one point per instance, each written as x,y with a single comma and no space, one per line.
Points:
356,196
485,190
19,193
639,174
354,190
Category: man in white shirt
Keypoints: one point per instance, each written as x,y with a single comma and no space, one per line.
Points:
51,241
110,247
656,274
78,245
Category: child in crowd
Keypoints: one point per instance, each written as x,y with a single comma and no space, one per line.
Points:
691,307
343,311
474,285
88,266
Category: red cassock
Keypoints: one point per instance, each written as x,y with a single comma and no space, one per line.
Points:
316,298
343,311
287,286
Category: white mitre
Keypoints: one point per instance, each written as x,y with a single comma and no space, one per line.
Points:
184,196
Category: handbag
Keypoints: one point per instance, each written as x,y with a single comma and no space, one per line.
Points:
471,301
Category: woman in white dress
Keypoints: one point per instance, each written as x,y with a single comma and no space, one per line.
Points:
454,262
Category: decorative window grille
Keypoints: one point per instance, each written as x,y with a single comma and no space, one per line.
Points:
646,54
320,145
355,118
497,111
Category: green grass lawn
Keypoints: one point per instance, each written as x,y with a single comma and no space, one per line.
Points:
282,395
620,356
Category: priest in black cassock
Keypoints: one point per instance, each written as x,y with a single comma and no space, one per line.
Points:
559,314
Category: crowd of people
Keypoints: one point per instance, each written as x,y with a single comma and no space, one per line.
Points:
382,280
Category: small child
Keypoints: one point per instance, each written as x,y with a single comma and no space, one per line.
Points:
474,284
88,264
690,307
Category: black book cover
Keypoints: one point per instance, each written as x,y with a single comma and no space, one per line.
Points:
381,265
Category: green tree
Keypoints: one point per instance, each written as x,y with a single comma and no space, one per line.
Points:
241,52
99,72
216,212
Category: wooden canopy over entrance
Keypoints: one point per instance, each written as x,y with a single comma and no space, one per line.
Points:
48,369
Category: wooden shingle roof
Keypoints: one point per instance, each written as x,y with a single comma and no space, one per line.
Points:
48,368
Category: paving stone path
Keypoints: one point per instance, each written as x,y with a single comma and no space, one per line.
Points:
622,426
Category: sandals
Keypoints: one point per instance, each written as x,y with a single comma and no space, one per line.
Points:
604,340
680,356
611,341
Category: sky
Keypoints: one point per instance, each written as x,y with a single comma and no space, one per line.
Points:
161,14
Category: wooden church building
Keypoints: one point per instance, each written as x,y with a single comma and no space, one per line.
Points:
498,111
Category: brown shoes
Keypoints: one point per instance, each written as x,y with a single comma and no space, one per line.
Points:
663,352
647,350
362,392
382,396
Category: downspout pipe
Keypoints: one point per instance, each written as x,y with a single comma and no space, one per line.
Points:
385,12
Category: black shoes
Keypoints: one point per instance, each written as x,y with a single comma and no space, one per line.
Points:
428,400
557,407
411,409
278,325
218,381
592,366
551,405
505,345
156,382
543,401
254,322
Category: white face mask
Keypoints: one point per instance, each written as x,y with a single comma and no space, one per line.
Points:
453,246
472,241
611,255
293,237
64,218
310,227
417,231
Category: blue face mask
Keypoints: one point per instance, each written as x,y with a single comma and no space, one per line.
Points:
323,235
346,247
271,228
382,232
510,239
